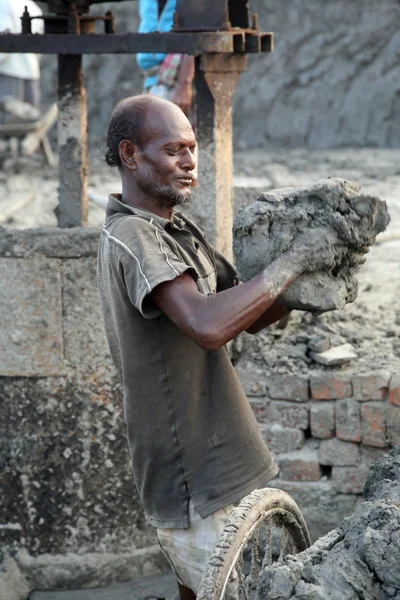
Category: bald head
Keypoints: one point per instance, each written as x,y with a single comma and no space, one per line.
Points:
139,119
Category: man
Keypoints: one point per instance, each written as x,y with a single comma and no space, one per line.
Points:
168,76
170,304
20,73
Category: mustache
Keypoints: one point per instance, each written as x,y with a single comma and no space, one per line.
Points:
188,175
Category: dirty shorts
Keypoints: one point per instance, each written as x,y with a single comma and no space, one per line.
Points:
188,550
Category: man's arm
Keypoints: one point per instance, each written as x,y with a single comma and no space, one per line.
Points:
227,277
212,321
182,93
274,313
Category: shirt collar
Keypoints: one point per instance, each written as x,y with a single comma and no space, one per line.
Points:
116,205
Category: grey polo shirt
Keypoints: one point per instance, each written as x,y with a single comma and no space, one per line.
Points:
191,430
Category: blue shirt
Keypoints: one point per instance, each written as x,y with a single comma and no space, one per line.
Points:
149,22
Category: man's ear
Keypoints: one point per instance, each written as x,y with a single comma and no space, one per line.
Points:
127,154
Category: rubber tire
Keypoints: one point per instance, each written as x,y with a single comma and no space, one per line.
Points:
242,519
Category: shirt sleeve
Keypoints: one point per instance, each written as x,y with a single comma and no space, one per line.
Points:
227,275
148,256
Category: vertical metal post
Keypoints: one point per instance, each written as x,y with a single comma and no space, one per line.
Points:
216,79
72,209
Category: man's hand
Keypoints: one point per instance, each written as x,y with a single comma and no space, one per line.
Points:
316,250
182,95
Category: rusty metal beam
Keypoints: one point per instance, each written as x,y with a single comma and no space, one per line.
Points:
194,43
216,79
72,209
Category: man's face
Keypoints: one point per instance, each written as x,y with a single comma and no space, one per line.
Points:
165,164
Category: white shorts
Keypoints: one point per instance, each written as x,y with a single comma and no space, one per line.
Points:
188,550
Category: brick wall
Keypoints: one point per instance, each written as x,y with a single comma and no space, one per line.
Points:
325,431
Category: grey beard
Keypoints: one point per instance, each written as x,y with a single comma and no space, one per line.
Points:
173,196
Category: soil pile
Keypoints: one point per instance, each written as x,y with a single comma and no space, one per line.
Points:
358,559
263,231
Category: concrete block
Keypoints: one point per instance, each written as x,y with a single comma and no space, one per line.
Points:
253,382
326,386
289,414
393,424
371,387
288,387
348,420
95,569
373,423
349,480
281,440
300,466
338,453
31,335
85,341
394,389
75,242
60,442
322,419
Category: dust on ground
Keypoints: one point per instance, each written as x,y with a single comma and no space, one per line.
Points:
371,324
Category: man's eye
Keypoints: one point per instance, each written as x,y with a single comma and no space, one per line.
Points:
173,152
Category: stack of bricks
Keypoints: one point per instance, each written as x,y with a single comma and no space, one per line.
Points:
325,431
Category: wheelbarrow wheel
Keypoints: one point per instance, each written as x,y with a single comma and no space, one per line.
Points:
249,543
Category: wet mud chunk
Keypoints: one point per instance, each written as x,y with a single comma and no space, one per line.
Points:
266,229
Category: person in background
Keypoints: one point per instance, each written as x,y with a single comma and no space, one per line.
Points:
20,73
169,76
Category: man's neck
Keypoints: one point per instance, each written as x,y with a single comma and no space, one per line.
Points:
141,200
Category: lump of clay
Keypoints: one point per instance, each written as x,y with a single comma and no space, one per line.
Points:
266,229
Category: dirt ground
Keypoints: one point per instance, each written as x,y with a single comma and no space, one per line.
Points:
371,324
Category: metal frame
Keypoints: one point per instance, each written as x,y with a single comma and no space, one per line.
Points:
193,43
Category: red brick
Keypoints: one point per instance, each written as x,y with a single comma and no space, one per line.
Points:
322,419
325,386
394,390
348,420
373,423
371,387
299,466
288,387
289,414
393,424
349,480
338,453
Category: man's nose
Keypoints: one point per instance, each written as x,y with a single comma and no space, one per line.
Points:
188,160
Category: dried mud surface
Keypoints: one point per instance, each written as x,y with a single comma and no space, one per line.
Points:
357,560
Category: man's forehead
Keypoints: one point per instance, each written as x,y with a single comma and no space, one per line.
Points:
165,125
